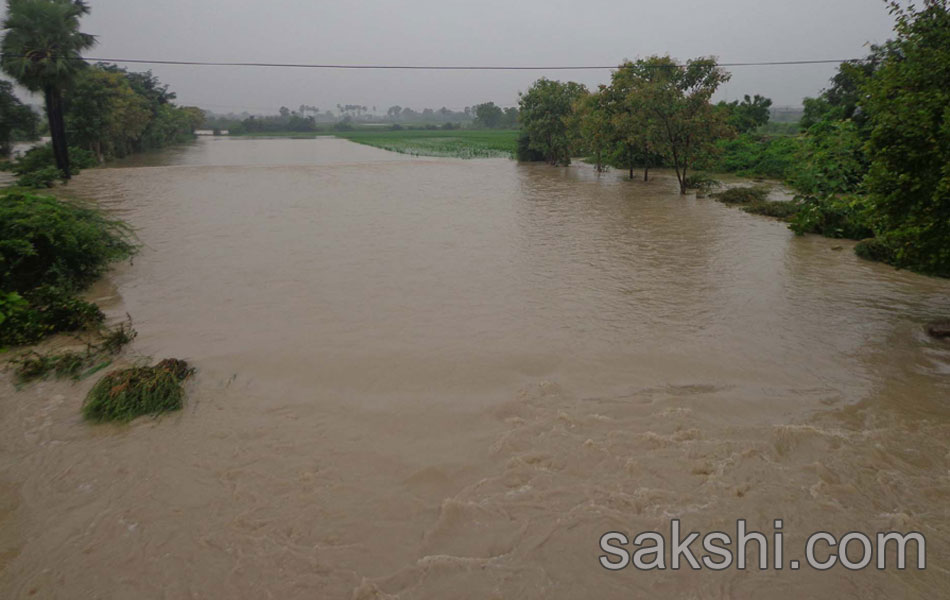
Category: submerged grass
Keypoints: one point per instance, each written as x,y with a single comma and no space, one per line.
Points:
71,363
128,393
465,143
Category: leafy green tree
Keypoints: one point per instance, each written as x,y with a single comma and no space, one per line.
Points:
42,48
748,115
104,114
16,119
680,121
908,102
632,143
844,98
545,110
511,117
592,126
488,115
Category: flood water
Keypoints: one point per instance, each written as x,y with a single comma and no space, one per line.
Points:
436,378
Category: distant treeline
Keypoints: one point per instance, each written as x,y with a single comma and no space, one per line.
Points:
311,119
113,113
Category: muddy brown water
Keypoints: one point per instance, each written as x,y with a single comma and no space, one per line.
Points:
434,378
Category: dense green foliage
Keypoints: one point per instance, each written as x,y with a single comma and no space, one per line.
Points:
464,143
128,393
36,168
748,115
17,121
42,48
113,113
489,116
752,155
546,109
655,112
49,251
742,195
874,160
908,107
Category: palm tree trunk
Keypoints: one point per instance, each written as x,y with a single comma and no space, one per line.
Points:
57,129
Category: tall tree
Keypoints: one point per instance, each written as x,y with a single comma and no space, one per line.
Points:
750,114
42,48
545,111
592,125
632,134
675,99
488,115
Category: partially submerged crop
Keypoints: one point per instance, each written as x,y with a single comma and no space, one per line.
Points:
128,393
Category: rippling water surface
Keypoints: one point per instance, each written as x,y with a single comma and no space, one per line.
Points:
434,378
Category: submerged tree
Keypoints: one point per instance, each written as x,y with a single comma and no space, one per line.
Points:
42,49
674,100
592,127
545,111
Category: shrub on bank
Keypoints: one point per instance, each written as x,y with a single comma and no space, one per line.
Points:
875,249
126,394
37,167
835,216
743,195
49,251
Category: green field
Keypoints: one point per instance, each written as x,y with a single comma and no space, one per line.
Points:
458,143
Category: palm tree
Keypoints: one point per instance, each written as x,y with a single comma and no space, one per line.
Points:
42,50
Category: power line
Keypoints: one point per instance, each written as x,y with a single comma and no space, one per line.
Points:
197,63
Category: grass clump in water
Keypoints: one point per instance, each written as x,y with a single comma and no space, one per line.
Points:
129,393
743,195
71,363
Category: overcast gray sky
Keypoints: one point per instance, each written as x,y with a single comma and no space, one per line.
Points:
485,32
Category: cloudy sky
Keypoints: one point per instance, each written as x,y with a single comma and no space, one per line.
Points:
483,32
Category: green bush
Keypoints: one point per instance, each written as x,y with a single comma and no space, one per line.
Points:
752,155
835,216
129,393
41,157
743,195
875,249
42,178
46,241
49,251
44,311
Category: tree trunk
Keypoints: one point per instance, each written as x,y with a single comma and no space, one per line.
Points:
646,173
631,173
57,129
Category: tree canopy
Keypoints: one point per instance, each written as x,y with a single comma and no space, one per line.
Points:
42,49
